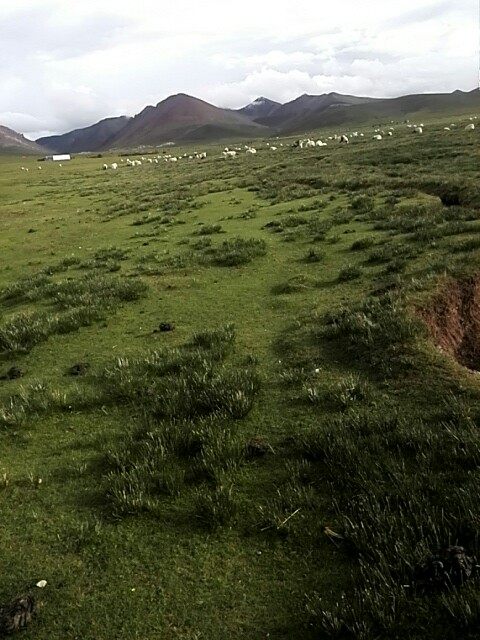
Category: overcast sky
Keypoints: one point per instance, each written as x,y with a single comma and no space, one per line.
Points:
68,63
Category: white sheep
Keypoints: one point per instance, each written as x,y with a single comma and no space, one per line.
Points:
251,151
344,139
418,129
114,166
470,127
229,154
377,136
105,166
273,148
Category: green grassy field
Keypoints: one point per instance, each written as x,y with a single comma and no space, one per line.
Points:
185,483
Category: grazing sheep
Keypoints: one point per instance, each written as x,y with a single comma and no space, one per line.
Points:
470,127
251,150
114,166
417,129
446,129
105,167
377,136
390,133
229,154
273,148
344,139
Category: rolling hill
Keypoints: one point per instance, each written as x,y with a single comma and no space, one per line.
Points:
182,118
13,142
87,139
312,112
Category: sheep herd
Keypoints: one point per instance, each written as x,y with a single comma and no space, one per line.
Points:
304,143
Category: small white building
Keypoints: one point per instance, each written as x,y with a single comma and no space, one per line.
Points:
61,157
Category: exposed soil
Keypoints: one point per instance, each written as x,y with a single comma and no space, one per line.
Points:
453,319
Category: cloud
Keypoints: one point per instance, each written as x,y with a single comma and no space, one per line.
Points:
64,65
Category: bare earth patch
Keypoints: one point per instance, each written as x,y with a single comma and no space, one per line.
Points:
453,319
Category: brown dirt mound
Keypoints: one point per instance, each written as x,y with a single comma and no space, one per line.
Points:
453,319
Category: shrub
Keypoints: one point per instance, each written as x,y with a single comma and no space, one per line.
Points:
209,229
294,285
219,341
238,251
362,204
349,272
362,243
313,255
216,508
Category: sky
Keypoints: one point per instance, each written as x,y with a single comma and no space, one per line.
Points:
66,64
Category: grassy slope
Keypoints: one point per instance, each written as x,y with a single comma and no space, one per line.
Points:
165,576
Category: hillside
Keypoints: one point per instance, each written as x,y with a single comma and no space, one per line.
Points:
333,113
89,138
13,142
182,117
293,116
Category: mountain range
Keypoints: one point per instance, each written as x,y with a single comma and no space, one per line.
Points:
182,118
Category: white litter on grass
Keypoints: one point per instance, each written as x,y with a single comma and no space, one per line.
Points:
41,584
